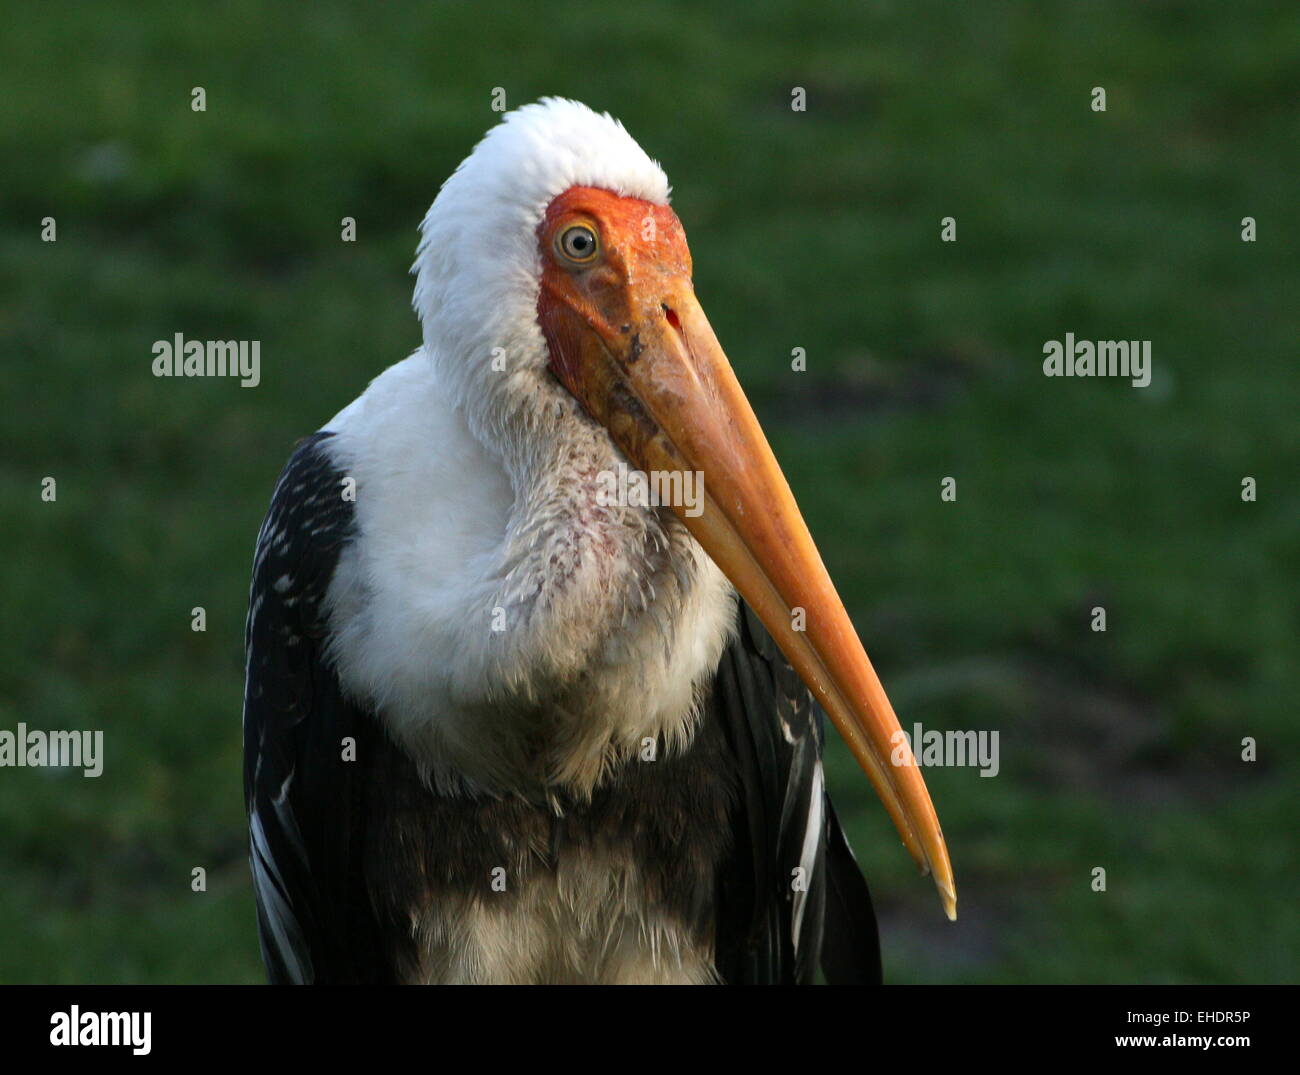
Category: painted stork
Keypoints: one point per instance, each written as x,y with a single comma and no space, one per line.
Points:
499,727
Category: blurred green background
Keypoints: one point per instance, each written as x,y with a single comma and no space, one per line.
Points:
817,230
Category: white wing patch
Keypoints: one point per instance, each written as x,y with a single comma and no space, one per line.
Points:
808,853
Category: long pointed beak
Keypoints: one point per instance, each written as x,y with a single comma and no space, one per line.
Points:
662,386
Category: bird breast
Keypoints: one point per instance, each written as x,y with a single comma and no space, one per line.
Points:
514,633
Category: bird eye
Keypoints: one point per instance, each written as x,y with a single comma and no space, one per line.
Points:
578,244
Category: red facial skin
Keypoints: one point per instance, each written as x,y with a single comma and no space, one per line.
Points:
642,252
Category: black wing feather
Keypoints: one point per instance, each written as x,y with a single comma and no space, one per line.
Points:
767,931
851,950
305,803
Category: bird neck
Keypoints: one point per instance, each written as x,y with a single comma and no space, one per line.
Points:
609,617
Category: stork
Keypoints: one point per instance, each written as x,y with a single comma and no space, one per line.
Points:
503,727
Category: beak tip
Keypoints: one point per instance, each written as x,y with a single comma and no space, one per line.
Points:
948,897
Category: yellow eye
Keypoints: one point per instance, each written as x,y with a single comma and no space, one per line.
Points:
578,243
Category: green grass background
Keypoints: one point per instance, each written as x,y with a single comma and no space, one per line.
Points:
818,230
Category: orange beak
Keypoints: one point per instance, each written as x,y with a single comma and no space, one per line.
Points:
628,338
